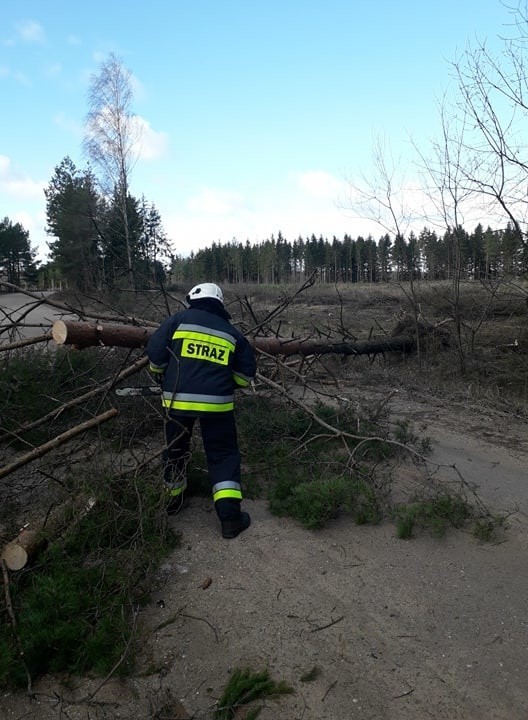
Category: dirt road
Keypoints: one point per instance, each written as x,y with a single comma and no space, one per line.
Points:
415,629
425,628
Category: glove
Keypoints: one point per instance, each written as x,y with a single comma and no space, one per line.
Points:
158,378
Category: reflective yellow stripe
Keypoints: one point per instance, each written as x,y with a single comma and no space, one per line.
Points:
157,369
240,381
222,494
204,337
203,407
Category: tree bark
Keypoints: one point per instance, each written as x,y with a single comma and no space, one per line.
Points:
23,343
84,334
87,334
278,346
17,553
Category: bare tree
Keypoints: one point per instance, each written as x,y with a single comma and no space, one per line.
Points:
381,196
112,135
445,175
492,107
479,166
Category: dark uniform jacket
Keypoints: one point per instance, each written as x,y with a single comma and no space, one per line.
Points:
202,358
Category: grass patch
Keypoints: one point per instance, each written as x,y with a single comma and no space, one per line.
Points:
33,383
489,529
434,514
304,468
74,609
308,474
244,687
314,502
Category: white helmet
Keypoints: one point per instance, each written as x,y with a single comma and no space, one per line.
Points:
205,290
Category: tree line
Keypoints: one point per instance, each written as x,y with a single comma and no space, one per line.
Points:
482,254
90,250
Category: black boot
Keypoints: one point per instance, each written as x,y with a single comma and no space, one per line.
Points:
232,528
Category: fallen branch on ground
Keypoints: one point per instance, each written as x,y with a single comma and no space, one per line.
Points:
57,441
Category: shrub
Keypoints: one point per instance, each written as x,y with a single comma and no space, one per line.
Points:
434,514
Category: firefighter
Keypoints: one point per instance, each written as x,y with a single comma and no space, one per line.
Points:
199,358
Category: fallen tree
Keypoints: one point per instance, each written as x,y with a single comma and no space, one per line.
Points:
86,334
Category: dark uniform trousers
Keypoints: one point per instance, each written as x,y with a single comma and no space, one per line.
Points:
220,443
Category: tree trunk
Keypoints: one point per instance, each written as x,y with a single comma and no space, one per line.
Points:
85,334
89,334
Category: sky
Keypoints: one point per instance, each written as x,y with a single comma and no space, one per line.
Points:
256,116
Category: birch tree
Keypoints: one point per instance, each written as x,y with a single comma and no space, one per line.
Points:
112,138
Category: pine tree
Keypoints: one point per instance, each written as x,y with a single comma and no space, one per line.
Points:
72,211
17,259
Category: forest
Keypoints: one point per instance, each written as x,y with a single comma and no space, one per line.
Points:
480,255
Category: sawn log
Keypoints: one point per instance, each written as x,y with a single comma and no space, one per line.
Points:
32,539
86,334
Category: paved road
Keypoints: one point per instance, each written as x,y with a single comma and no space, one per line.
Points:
22,317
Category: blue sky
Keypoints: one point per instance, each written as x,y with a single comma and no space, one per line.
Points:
255,115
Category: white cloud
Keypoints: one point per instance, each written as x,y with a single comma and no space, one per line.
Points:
53,70
318,183
146,143
23,201
99,56
30,31
66,123
35,224
190,232
151,144
216,202
137,87
294,209
17,185
20,77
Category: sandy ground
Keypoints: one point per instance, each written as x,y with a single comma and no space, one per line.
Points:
425,628
419,629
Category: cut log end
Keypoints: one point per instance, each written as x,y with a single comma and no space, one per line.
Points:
14,556
59,332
